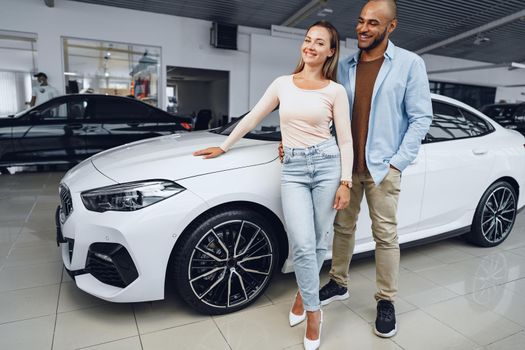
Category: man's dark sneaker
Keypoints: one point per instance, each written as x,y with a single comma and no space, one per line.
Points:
332,292
385,325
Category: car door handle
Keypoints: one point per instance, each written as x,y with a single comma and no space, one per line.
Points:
479,151
74,126
133,124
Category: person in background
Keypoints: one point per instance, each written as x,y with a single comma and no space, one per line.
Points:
43,92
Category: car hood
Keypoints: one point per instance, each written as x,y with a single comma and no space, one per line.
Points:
170,157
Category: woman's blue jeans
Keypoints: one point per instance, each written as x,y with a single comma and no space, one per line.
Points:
310,178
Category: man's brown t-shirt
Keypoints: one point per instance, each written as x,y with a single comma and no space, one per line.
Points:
364,86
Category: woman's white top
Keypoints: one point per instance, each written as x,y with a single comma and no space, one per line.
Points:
305,117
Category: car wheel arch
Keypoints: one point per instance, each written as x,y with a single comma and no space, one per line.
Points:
511,181
282,239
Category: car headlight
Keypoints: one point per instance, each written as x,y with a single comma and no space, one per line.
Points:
129,196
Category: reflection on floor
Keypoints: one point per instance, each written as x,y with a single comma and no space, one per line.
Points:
453,296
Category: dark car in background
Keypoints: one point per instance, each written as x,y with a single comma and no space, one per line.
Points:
508,115
70,128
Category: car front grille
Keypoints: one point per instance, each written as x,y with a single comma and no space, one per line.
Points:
66,204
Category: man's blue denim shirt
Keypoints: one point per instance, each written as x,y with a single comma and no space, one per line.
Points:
401,109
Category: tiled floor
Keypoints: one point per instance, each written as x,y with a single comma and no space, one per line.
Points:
453,296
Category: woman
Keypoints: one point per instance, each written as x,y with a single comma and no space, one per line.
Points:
316,174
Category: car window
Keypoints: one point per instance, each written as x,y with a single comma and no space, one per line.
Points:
71,109
268,129
452,123
120,109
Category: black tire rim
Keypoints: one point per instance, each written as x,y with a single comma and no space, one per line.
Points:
231,264
498,215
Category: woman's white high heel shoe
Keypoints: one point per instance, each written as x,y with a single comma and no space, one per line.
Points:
314,344
296,319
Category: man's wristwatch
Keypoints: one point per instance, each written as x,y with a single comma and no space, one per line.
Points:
346,183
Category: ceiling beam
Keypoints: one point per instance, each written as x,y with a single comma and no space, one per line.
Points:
464,69
509,66
50,3
303,13
475,31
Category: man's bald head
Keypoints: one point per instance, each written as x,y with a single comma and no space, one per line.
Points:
389,5
376,22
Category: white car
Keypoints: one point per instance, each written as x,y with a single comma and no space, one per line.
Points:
140,217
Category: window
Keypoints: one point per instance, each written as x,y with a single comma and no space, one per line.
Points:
18,62
112,68
452,123
474,96
74,110
121,109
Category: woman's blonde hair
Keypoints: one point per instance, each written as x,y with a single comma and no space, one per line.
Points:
330,65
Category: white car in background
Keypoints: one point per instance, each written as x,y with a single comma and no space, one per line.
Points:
142,216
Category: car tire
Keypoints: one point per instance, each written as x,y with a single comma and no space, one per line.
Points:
495,215
225,260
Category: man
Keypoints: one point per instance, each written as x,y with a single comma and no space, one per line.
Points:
44,92
391,112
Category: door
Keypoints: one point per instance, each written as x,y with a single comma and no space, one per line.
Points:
458,166
51,133
409,205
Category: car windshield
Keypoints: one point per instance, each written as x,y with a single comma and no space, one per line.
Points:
268,129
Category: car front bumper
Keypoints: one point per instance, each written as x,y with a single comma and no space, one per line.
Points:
123,256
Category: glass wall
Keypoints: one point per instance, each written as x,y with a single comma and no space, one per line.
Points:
111,68
474,96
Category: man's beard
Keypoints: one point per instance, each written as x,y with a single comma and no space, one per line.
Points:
376,42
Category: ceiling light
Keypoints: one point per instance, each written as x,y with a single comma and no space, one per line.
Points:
325,12
481,39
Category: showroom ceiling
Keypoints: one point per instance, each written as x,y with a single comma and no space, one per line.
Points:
422,22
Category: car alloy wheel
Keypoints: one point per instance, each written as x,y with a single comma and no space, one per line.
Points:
230,263
495,215
498,215
225,261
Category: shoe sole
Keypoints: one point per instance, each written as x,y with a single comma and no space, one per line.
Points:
335,298
386,335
